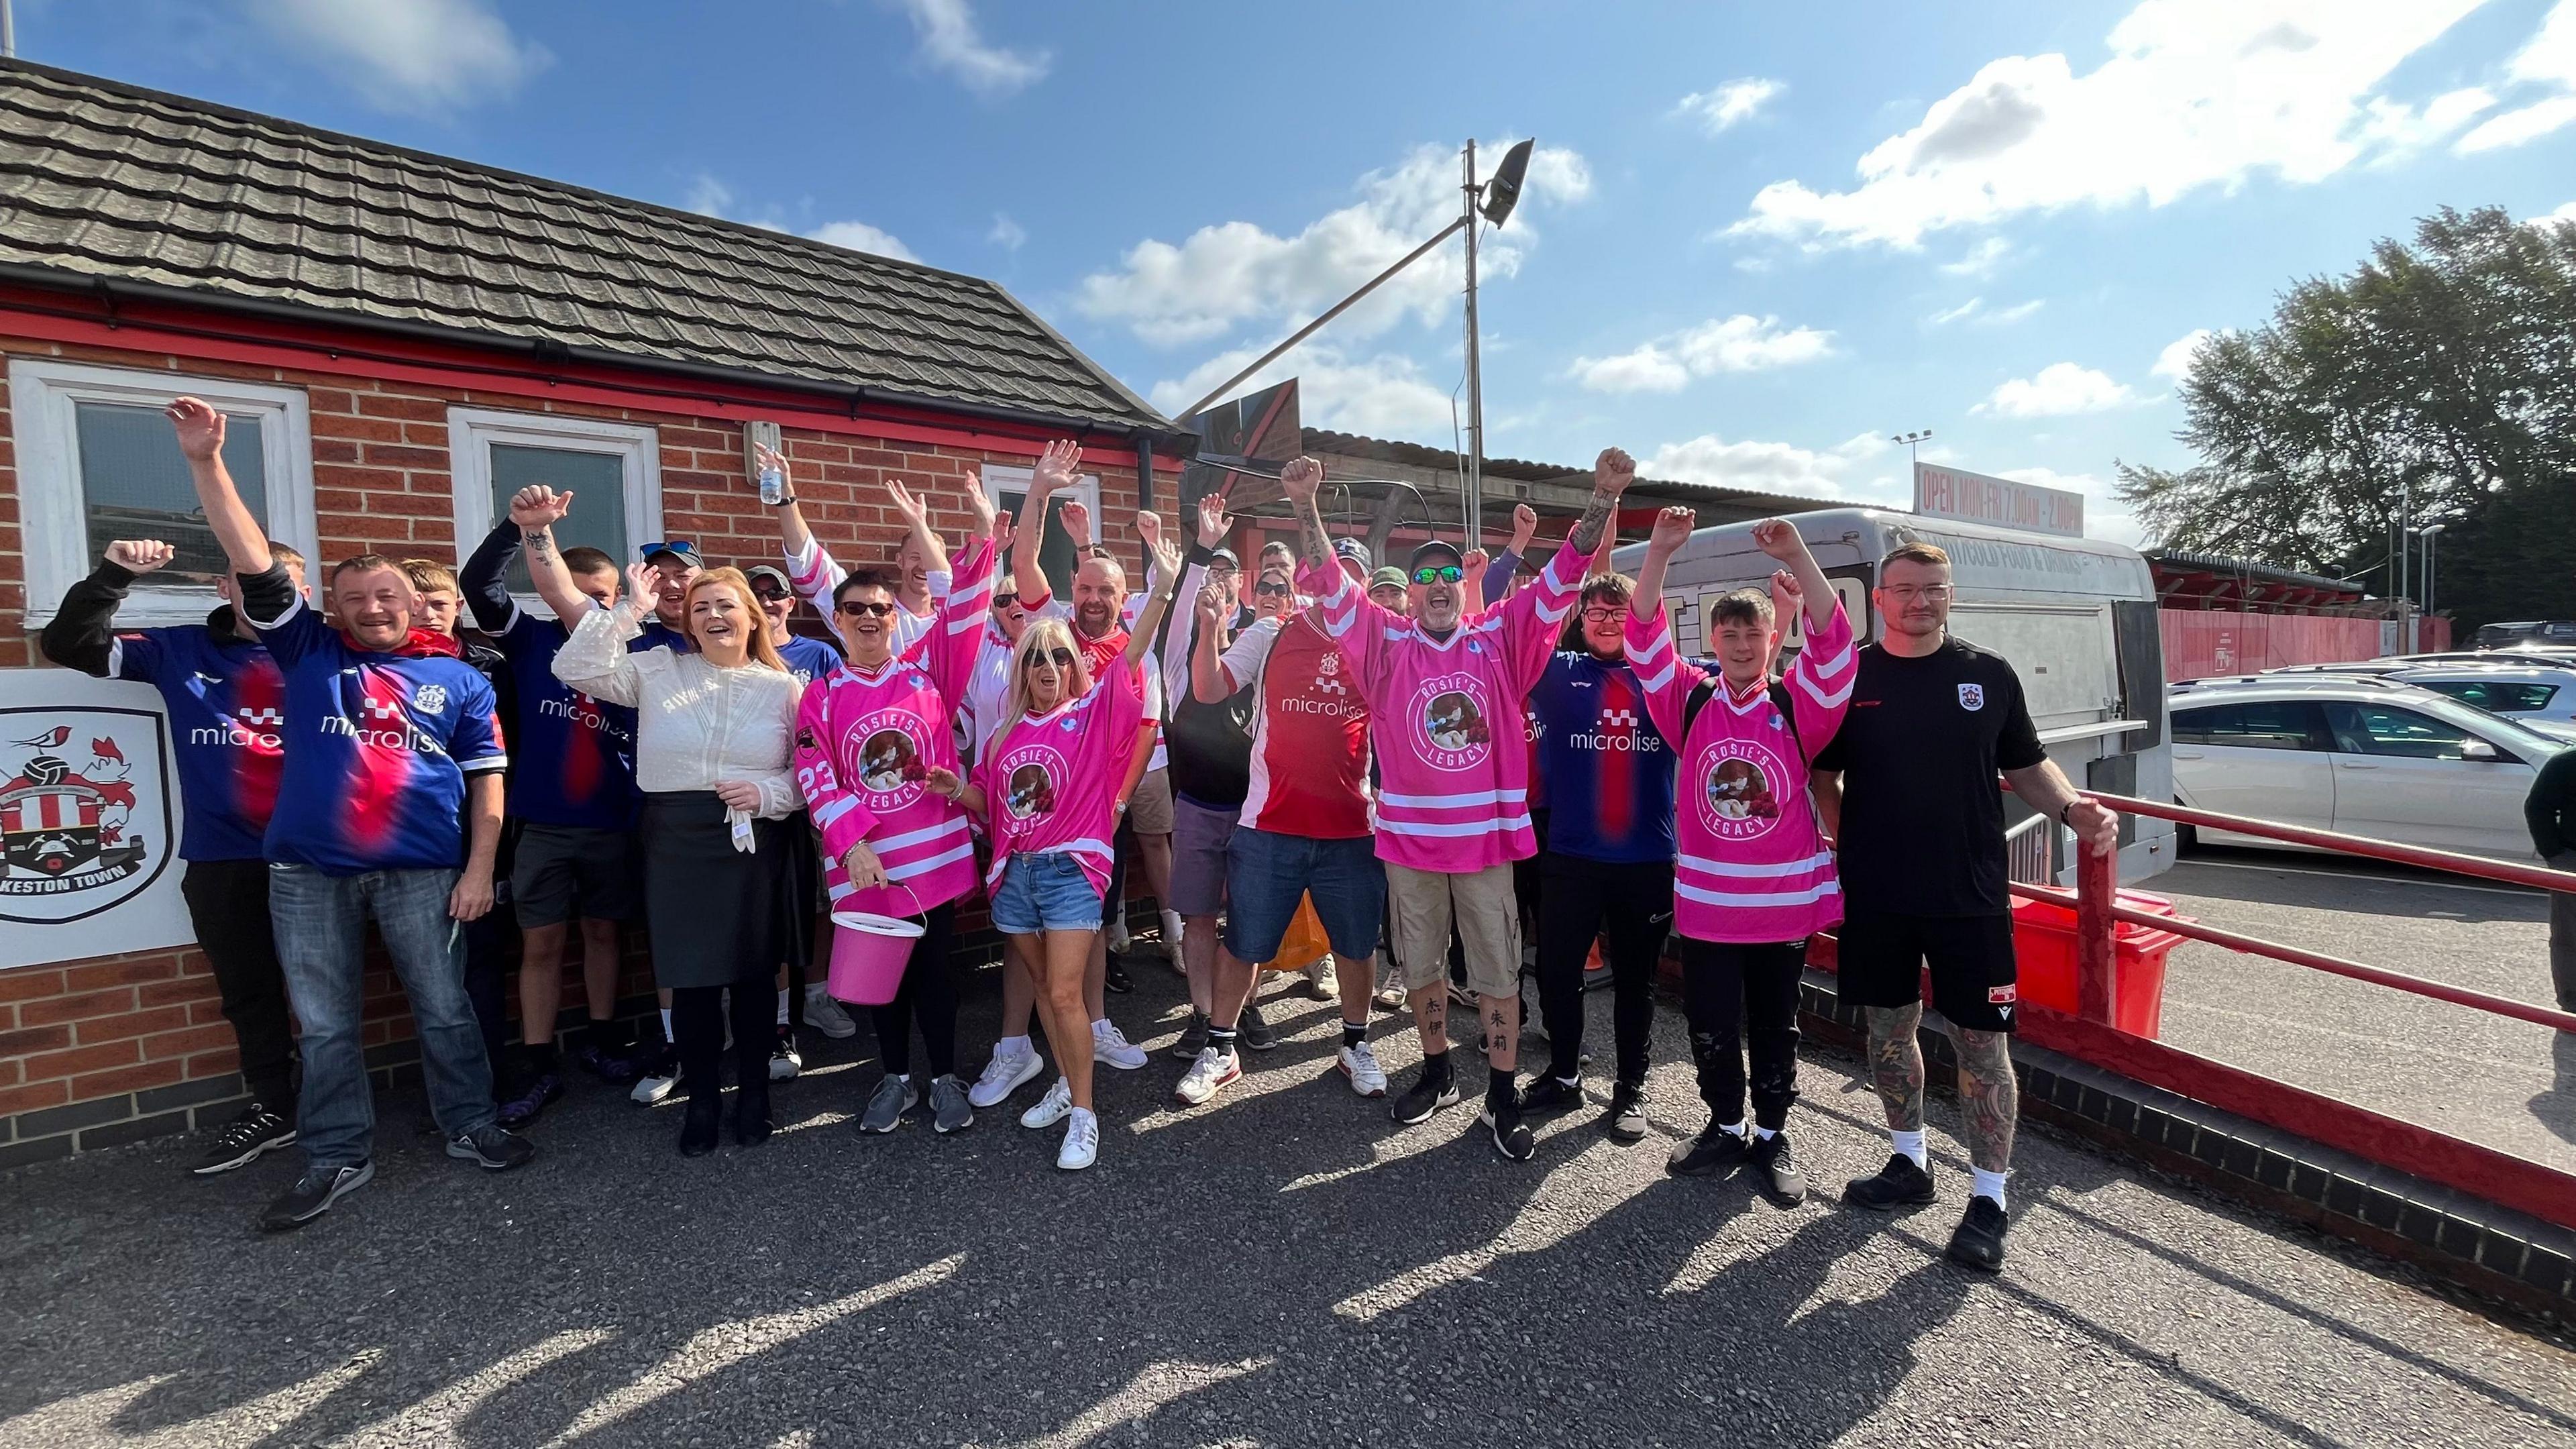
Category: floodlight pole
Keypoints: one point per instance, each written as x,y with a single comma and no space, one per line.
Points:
8,32
1472,508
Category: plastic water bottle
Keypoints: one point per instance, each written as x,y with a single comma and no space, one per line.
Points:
773,484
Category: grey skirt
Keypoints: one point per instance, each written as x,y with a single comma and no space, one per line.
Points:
719,916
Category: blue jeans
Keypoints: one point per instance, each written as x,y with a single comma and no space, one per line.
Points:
321,925
1044,892
1267,872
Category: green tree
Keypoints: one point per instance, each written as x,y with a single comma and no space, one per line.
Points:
2442,374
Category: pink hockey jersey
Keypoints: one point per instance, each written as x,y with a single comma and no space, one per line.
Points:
1750,863
1445,716
1051,781
865,739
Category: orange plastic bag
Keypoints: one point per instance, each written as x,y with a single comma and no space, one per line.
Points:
1305,944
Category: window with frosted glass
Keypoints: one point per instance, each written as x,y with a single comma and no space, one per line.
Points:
598,483
134,484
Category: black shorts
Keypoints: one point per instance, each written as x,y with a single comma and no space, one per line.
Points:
564,871
1974,975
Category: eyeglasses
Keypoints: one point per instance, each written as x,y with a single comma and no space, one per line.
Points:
1438,574
854,608
1908,593
1063,658
1606,615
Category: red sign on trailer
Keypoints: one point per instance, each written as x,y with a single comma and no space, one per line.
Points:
1979,498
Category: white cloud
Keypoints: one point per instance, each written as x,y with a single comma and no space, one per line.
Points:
858,236
950,42
2515,127
1007,234
1741,343
709,196
1380,396
1975,310
1773,467
1737,100
2056,391
2175,360
1982,260
2549,59
418,56
2564,213
1235,271
2196,93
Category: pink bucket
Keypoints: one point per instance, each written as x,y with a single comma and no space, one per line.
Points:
868,956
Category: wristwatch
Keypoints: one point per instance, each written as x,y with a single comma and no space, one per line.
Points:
2065,810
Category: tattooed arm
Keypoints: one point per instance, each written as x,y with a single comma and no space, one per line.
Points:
536,509
1301,480
1611,475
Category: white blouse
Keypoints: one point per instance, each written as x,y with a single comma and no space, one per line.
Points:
695,723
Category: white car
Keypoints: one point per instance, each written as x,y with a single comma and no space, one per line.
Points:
2540,696
2359,755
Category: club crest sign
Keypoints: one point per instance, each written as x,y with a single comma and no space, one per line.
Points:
86,820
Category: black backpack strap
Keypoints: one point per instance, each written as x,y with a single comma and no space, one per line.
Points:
1789,716
1692,703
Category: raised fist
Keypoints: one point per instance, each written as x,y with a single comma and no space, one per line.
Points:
1778,539
1672,529
538,506
1613,471
1300,479
139,555
1524,527
1077,521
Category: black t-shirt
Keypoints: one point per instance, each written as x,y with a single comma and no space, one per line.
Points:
1923,815
1209,746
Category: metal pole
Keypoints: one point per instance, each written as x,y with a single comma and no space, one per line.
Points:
2405,573
8,31
1337,309
2097,970
1473,512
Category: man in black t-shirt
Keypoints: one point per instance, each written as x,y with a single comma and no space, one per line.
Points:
1908,789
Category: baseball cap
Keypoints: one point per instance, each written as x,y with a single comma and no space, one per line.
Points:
1354,550
1389,576
1437,548
772,572
679,548
1227,557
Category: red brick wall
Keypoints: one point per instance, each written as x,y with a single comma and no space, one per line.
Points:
110,1050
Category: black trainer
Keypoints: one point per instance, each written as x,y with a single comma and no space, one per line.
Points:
1782,1179
531,1099
1979,1240
1714,1150
1432,1090
1626,1120
1512,1136
492,1147
313,1195
1548,1092
1899,1184
243,1139
1193,1038
1253,1031
1115,977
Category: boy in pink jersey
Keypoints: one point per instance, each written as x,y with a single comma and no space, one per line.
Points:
868,734
1444,696
1753,874
1049,787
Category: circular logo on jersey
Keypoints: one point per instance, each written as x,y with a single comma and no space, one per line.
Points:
1454,718
1032,792
1739,790
890,767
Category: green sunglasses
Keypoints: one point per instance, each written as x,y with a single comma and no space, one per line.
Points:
1438,574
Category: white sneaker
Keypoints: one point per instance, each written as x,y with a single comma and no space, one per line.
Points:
826,1015
1172,937
1322,981
1360,1065
1081,1141
1050,1108
1110,1047
1004,1075
1391,994
1119,940
658,1081
1211,1071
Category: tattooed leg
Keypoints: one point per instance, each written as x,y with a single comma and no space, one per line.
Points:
1431,1019
1896,1063
1502,1031
1988,1096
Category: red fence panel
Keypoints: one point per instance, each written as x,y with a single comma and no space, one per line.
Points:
2202,642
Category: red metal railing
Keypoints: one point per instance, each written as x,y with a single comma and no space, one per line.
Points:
2089,1034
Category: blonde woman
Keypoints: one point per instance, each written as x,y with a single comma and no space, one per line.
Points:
1047,787
714,745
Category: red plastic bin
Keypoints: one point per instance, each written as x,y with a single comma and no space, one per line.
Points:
2044,942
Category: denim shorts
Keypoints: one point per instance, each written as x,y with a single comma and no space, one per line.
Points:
1047,892
1265,873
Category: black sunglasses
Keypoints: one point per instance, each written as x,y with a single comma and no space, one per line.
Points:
1269,591
770,595
1438,574
1063,659
856,607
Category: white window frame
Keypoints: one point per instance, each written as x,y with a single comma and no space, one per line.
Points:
471,432
1005,478
43,397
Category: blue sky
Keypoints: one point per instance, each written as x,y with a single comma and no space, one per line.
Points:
1758,239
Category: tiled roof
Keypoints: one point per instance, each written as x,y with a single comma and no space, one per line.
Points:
1352,445
111,181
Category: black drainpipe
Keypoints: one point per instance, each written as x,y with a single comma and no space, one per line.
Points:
1144,471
